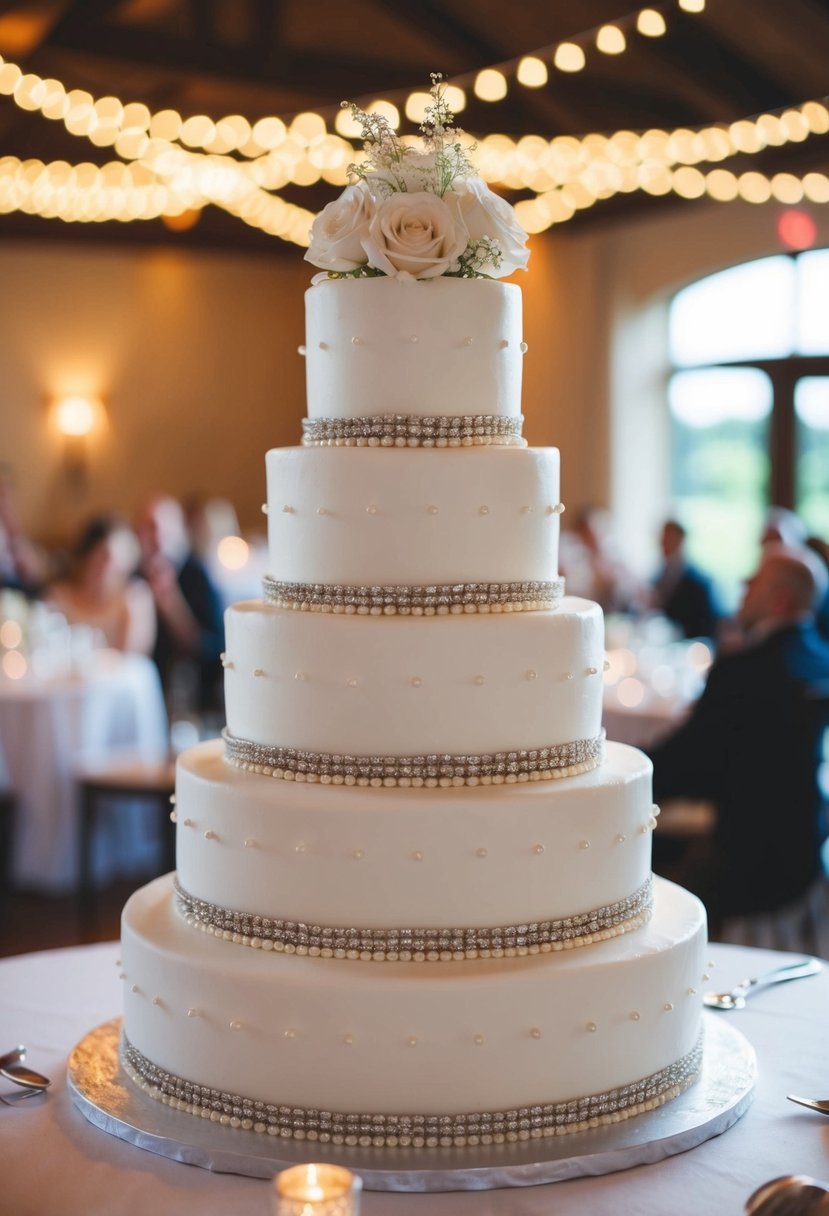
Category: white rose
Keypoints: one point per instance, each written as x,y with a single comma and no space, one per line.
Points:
486,214
414,233
338,231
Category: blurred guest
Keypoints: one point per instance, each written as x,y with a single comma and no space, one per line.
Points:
752,745
190,631
209,520
591,565
100,591
22,566
782,527
682,592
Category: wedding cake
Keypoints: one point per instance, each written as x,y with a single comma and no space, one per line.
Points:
413,903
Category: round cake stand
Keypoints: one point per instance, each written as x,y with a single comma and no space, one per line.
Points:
724,1092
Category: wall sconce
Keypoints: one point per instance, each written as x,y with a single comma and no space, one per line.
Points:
75,417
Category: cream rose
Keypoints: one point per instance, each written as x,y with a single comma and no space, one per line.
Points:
338,231
485,213
414,233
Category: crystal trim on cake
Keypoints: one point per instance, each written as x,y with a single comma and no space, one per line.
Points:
429,771
416,1130
418,945
414,431
438,599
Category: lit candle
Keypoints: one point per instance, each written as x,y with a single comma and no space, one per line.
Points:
317,1190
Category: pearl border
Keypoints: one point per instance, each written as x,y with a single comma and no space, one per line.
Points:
415,1131
438,599
417,945
420,771
414,431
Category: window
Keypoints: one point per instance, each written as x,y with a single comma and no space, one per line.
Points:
749,407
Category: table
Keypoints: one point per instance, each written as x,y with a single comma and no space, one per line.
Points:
54,1163
47,727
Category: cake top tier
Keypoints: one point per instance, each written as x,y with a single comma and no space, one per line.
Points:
416,209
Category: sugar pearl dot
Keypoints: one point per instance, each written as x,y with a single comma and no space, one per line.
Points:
266,508
468,341
592,671
173,817
479,680
483,510
535,1033
538,849
286,510
172,800
478,1039
258,672
417,855
358,854
193,1013
135,988
156,1000
250,844
210,834
482,853
371,509
532,675
411,1041
352,683
504,343
416,681
348,1039
355,341
235,1025
668,1006
620,839
584,844
188,823
526,510
321,511
568,675
606,665
523,347
300,848
299,675
592,1027
300,350
692,992
290,1033
432,510
634,1017
706,976
323,346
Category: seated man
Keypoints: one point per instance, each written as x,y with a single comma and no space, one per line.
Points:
752,745
681,591
190,633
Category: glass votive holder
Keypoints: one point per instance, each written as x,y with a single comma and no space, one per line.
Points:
317,1190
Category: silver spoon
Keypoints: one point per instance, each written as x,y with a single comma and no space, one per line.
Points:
20,1074
11,1057
818,1104
736,998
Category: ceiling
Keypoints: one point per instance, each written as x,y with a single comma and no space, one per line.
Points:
257,57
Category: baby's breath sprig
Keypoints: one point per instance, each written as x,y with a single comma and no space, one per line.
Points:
442,139
485,252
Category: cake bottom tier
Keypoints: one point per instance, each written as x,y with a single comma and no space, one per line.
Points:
409,1053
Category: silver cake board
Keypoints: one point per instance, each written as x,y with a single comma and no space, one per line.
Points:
103,1094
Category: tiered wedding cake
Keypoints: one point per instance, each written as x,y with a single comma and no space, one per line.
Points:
414,903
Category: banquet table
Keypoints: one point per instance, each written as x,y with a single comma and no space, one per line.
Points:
54,1163
51,725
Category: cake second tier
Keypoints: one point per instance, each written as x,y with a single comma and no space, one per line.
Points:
401,687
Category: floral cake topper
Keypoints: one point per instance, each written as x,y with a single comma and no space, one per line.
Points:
417,213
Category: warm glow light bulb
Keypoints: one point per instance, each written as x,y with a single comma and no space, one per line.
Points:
387,110
568,57
75,415
692,6
416,104
610,40
346,125
532,72
455,98
490,85
651,23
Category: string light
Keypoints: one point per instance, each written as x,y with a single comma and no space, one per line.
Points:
569,57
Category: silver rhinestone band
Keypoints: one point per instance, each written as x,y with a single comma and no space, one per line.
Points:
414,431
419,945
415,1131
429,771
438,599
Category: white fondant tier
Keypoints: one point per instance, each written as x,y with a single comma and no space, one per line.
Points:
387,515
501,855
400,686
401,1039
392,346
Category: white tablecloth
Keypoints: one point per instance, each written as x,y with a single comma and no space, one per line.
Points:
48,727
54,1163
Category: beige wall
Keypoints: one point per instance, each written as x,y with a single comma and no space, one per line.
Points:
196,357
